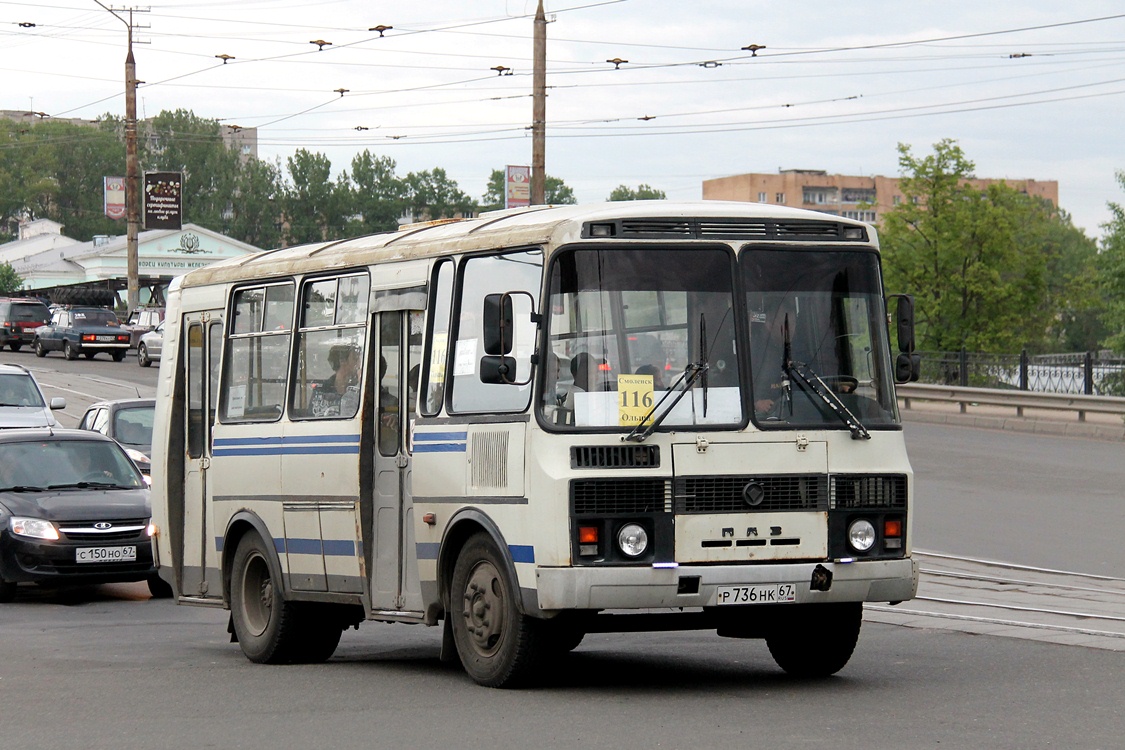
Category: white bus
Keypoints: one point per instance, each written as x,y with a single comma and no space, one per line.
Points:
537,424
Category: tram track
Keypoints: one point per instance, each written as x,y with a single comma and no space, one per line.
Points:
1016,601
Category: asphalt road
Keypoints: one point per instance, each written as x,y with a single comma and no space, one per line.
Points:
106,667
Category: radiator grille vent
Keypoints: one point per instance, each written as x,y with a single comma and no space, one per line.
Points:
748,494
122,531
614,456
490,460
615,496
868,491
727,229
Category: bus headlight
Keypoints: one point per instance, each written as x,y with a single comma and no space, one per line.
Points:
861,535
632,540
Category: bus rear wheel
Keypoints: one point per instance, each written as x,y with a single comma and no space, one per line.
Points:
816,640
498,646
270,629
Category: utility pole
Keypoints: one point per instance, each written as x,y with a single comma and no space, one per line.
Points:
132,168
539,111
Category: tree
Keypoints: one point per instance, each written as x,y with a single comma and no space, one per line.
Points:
313,204
555,192
1111,264
431,194
378,195
256,210
10,281
642,193
977,261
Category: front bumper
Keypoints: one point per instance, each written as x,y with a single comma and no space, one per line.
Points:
642,588
55,563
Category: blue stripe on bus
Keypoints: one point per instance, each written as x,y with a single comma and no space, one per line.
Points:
521,553
427,437
439,447
331,547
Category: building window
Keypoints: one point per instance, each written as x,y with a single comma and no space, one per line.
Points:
761,197
868,216
818,196
779,198
896,200
858,195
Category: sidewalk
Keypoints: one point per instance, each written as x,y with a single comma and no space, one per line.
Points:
1041,421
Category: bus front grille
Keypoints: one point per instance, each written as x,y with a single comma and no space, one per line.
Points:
620,496
853,491
749,494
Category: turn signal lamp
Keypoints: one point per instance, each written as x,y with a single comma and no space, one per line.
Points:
587,534
892,527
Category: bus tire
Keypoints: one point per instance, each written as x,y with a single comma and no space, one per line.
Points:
498,646
816,640
158,587
269,629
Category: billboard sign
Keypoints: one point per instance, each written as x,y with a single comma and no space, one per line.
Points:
517,187
114,197
163,208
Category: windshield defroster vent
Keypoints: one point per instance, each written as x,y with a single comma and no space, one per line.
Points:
724,229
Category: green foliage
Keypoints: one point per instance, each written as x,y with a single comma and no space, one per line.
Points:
992,270
378,195
314,205
555,192
642,193
1111,264
10,281
431,194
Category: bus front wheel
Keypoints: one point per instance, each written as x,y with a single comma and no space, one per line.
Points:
816,640
270,629
498,646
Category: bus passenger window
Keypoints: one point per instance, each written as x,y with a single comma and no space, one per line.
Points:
257,354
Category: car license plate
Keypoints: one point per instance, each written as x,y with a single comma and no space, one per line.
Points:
106,554
777,593
106,338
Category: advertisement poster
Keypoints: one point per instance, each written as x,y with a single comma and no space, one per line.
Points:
517,190
162,200
114,197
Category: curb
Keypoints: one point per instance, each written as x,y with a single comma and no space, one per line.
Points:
1018,424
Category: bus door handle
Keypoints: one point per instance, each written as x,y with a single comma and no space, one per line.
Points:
205,462
401,460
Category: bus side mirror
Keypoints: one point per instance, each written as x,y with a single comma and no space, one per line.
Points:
497,321
908,365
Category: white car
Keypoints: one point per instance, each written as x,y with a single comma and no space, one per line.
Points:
21,401
148,349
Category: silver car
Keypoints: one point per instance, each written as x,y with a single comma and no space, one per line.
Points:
148,349
21,401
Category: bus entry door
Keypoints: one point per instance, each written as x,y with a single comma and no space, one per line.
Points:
394,574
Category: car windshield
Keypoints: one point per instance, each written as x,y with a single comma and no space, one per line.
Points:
95,318
18,389
56,463
26,312
133,426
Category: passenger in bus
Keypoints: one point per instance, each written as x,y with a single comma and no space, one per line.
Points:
767,347
338,395
657,376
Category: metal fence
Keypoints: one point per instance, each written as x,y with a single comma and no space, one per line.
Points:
1091,373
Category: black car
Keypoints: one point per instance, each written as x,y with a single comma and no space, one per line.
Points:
82,330
73,510
19,317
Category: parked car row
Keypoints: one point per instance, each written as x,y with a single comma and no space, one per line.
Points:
74,504
75,331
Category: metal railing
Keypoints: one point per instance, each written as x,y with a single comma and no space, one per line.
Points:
966,396
1088,373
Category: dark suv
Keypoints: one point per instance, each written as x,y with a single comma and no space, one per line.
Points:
19,317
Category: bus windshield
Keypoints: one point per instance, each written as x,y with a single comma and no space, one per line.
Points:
638,332
641,335
817,335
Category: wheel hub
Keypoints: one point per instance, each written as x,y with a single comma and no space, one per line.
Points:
484,608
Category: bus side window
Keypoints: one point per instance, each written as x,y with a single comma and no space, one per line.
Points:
433,375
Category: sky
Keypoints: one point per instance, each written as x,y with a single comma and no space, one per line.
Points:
1027,88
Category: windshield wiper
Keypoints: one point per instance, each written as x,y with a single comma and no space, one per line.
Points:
23,488
691,373
805,375
90,485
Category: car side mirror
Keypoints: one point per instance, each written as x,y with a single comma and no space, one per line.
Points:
58,402
908,365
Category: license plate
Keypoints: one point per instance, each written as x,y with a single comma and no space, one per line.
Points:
106,338
106,554
777,593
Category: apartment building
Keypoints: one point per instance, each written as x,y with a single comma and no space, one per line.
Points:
851,196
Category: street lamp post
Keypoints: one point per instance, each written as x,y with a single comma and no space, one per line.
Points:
539,110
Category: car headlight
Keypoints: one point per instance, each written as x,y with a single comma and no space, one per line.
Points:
861,535
33,528
632,539
138,458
